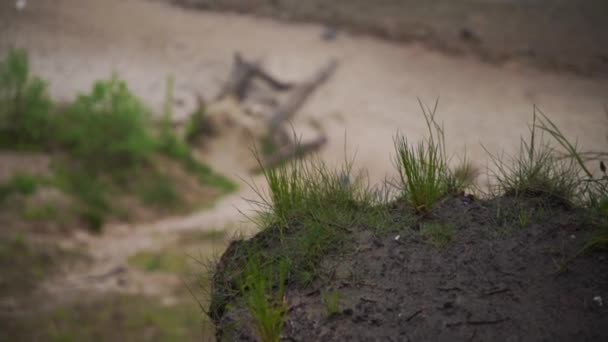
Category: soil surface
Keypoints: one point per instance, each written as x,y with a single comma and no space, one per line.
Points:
374,93
499,279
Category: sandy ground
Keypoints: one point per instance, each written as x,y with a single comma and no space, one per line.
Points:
373,95
74,42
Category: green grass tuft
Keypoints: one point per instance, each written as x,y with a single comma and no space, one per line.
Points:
592,189
265,304
537,172
423,168
25,107
107,130
21,183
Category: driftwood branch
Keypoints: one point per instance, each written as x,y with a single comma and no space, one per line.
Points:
263,112
243,73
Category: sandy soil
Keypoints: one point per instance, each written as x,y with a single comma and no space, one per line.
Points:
374,93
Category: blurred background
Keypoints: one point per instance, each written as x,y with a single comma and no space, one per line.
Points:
127,129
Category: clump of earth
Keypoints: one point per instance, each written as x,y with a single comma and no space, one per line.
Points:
513,271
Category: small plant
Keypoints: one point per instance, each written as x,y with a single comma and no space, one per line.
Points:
423,168
21,183
265,304
592,190
537,172
331,300
422,172
25,183
25,120
107,130
438,234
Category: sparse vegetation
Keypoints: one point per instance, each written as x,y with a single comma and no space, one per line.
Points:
537,172
591,190
424,169
310,208
25,107
265,304
21,183
112,318
100,143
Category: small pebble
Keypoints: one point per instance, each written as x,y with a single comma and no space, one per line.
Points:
20,5
598,300
573,236
397,237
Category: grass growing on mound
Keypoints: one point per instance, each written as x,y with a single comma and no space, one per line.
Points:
537,171
424,168
592,190
308,214
265,304
310,209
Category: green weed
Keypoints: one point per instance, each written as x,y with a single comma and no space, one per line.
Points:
25,184
101,142
423,168
107,130
265,304
592,190
537,172
21,183
25,121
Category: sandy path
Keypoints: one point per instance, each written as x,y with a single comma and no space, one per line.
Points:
374,93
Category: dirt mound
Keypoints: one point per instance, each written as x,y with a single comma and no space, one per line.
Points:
495,270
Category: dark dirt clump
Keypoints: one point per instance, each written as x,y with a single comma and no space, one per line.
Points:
504,269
